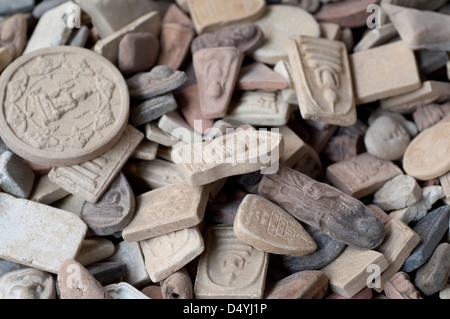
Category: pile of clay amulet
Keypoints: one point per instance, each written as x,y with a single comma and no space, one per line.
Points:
211,149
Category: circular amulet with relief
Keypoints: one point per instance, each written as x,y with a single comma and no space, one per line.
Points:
62,106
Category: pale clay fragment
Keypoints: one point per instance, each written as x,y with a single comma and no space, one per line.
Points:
90,180
347,38
153,174
210,15
247,151
269,228
259,108
431,35
76,282
165,210
21,219
279,24
258,76
217,274
348,273
110,16
323,80
399,286
168,253
175,125
445,293
218,129
46,192
51,30
361,175
284,69
155,134
399,192
330,31
146,150
130,254
400,240
70,203
371,85
124,290
427,155
387,138
410,126
376,37
16,177
109,46
429,92
94,249
27,283
164,153
430,195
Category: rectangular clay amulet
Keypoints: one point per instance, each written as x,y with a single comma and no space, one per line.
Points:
322,78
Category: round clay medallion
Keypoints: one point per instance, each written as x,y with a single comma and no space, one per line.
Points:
427,156
62,106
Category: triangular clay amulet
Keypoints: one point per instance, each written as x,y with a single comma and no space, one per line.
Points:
267,227
76,282
258,76
322,79
175,41
322,206
217,71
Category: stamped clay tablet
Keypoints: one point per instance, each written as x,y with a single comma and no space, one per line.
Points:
62,106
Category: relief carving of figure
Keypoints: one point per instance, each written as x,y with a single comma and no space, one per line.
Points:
324,207
232,263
